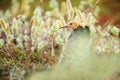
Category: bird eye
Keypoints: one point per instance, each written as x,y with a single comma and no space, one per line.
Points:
71,23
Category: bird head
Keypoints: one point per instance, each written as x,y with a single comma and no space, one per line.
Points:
73,25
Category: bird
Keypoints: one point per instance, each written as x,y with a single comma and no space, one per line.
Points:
78,44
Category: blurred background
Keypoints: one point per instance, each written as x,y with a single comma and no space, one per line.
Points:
41,19
109,9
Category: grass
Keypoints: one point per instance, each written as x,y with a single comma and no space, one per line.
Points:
35,46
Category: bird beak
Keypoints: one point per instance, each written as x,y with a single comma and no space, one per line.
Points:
64,27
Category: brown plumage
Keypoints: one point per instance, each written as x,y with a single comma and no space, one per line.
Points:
78,43
73,25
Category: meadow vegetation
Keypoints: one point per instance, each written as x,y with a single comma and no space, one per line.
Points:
34,45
